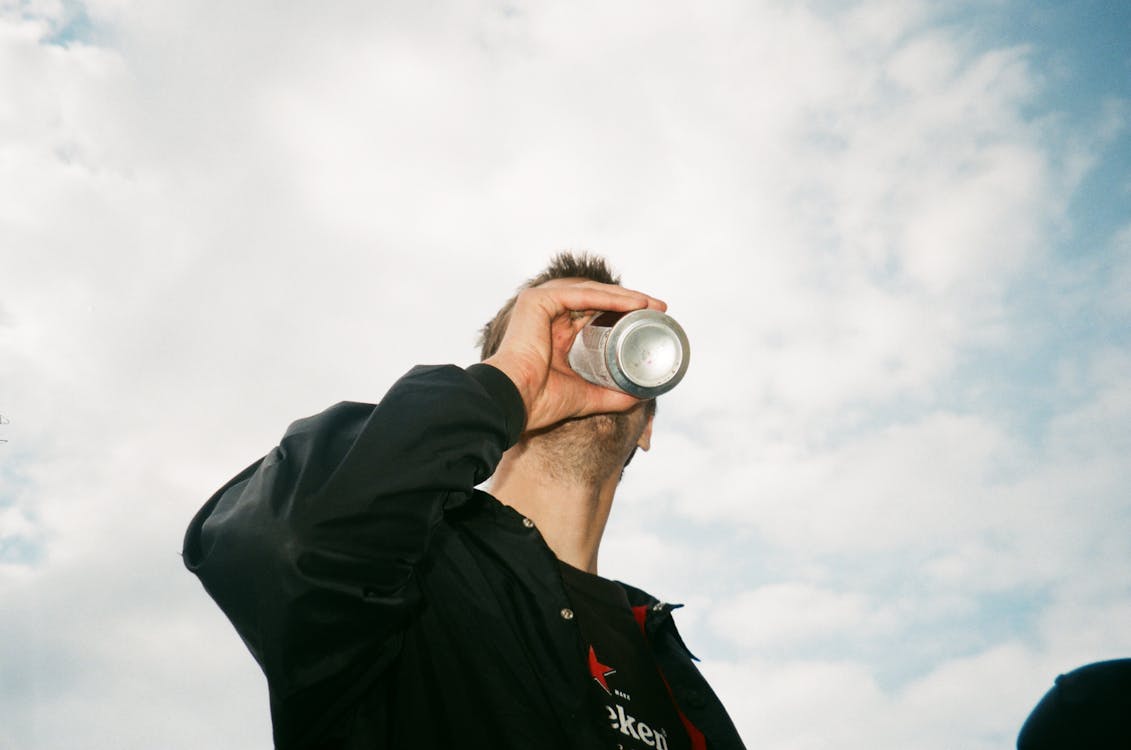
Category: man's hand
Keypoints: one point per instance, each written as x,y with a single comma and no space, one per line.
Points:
534,352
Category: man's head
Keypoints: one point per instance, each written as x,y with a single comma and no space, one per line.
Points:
562,266
582,447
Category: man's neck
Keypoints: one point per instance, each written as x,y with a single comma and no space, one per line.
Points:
570,514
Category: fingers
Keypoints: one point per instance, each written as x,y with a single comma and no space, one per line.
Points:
585,296
592,295
534,349
575,301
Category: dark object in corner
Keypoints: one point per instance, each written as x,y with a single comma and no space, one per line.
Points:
1087,709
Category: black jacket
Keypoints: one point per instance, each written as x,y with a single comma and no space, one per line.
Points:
393,605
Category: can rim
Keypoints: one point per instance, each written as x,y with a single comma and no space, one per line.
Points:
615,357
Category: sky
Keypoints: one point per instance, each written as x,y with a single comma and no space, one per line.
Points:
892,490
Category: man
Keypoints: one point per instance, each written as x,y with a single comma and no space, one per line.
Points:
391,604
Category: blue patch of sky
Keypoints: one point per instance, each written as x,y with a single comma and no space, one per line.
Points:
923,635
74,28
993,619
1057,308
1058,318
20,551
902,652
1082,49
14,483
752,565
906,650
749,563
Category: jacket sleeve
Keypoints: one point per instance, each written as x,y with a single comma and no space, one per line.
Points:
311,550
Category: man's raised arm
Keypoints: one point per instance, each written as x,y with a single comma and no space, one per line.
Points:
310,551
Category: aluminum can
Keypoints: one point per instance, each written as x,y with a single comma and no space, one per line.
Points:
643,353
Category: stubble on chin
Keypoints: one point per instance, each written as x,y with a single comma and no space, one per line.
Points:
588,450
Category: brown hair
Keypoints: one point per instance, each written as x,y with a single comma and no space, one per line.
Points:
564,265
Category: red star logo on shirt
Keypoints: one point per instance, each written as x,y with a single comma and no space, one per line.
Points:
600,671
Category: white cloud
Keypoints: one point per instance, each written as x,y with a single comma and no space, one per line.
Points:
778,705
990,693
219,217
788,613
803,705
904,485
13,523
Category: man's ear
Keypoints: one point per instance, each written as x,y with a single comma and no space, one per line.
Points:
645,441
